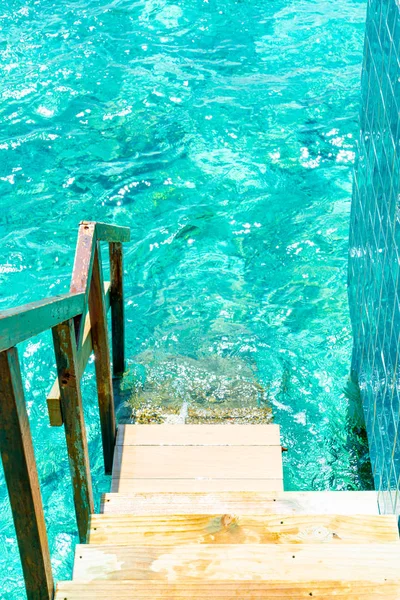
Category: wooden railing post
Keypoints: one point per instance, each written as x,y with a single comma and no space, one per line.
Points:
101,349
117,308
22,480
82,271
75,432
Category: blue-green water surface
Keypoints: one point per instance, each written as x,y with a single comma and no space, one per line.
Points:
223,134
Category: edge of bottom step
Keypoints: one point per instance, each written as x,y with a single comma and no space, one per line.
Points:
151,590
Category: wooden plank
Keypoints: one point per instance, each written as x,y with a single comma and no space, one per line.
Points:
129,486
22,480
54,407
82,270
112,233
84,256
228,528
23,322
98,319
198,435
88,235
75,432
239,502
117,308
84,352
246,562
230,590
194,462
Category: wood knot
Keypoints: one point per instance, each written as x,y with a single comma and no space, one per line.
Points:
227,520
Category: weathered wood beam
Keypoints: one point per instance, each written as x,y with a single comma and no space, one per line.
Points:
75,432
22,480
84,352
84,256
117,308
98,319
112,233
23,322
82,270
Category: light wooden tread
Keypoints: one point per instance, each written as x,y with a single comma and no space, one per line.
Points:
240,502
237,590
259,562
231,529
198,435
194,462
191,458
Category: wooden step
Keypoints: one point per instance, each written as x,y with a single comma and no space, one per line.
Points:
189,458
196,463
231,529
242,503
236,590
198,435
246,562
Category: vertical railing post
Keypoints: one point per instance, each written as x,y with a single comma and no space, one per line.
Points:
117,308
22,480
75,432
82,271
101,349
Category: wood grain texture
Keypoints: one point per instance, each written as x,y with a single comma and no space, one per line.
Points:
112,233
23,322
84,352
98,320
22,480
232,590
132,485
240,502
89,234
198,435
82,271
246,562
193,462
231,529
117,308
75,431
84,256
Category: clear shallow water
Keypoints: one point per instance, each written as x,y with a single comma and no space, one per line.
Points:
223,134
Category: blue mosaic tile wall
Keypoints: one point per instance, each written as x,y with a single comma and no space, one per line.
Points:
375,249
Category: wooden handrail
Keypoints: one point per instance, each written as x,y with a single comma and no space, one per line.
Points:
79,326
53,397
112,234
23,322
87,261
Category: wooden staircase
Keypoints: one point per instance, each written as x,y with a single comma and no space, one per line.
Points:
198,511
195,510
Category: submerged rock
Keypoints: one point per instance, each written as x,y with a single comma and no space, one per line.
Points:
260,416
181,389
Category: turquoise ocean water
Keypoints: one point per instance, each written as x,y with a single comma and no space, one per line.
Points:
223,134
